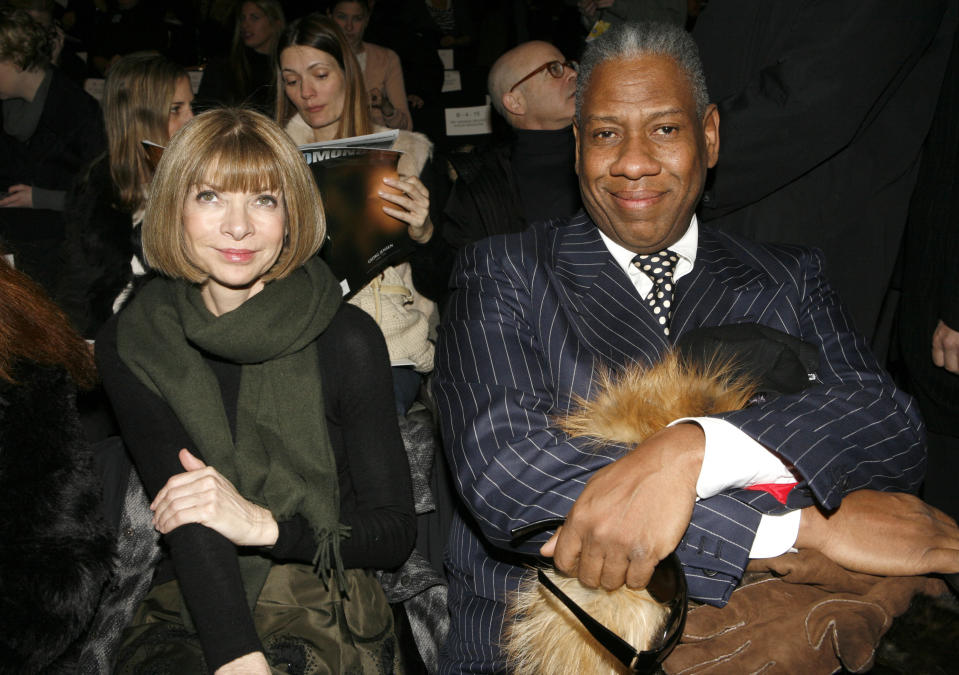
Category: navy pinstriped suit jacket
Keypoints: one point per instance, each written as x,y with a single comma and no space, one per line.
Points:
532,316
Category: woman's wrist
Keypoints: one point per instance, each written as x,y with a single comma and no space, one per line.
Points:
423,233
254,663
266,531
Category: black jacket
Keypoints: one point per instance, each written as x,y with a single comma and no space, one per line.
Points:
69,135
100,242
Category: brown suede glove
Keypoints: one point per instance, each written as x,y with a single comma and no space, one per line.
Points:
805,614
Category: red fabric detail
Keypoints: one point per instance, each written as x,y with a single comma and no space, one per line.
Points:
778,490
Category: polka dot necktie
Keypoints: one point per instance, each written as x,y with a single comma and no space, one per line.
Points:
659,267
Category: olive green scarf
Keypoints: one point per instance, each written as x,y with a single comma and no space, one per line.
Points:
281,457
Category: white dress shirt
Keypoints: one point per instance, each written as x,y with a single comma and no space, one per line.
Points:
732,459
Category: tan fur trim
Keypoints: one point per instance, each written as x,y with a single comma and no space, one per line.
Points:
632,406
540,635
416,148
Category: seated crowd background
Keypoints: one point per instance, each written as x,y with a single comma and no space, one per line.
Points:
93,252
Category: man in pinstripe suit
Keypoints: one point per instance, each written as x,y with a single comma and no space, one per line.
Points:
535,314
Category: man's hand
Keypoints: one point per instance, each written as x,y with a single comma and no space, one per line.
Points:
632,513
945,348
888,533
18,197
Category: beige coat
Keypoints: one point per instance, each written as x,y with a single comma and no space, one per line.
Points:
404,316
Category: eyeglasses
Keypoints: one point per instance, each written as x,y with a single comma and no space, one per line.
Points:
554,68
667,586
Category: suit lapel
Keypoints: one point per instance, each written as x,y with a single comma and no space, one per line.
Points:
602,305
720,290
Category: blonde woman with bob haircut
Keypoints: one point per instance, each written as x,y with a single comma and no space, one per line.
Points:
146,97
267,161
258,410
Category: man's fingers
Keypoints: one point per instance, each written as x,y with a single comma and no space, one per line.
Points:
567,551
938,356
547,549
640,571
590,568
941,560
614,572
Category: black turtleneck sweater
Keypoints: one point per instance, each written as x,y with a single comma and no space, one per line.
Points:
507,187
543,168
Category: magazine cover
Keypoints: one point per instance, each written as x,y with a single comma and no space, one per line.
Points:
362,240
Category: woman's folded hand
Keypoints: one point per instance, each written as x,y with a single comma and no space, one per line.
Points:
253,663
202,495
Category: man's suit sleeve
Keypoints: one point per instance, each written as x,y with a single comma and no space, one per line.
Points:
494,391
854,429
493,387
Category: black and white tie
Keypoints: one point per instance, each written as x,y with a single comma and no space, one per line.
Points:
659,267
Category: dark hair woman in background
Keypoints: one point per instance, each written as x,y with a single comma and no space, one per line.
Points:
248,76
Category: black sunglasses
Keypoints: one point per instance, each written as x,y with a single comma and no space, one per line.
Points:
667,586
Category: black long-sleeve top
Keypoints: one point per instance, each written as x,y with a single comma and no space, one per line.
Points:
374,479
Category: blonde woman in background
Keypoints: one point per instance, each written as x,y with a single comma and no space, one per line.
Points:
146,98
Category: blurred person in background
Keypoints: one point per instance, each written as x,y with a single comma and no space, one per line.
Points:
381,67
147,97
248,76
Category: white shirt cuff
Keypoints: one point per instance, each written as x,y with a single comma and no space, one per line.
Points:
775,535
734,460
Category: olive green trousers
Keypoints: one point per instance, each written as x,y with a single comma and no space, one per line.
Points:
305,628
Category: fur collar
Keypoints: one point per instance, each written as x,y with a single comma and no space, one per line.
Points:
57,551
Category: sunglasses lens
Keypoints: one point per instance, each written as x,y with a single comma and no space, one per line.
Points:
664,582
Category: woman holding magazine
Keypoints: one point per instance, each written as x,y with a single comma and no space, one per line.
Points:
257,407
322,97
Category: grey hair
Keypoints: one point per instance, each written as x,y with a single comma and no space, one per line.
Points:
635,40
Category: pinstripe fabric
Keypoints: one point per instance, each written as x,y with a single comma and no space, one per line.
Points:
533,315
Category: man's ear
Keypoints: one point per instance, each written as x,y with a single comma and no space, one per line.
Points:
711,134
514,102
576,139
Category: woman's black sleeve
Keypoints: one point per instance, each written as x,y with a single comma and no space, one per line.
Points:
383,521
376,488
205,561
432,262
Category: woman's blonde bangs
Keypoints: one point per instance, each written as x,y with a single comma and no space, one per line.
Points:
233,150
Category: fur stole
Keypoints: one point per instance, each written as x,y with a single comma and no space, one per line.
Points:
541,636
57,551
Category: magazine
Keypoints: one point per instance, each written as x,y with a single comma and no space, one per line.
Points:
362,240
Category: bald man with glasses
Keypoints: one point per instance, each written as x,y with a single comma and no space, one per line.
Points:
531,177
